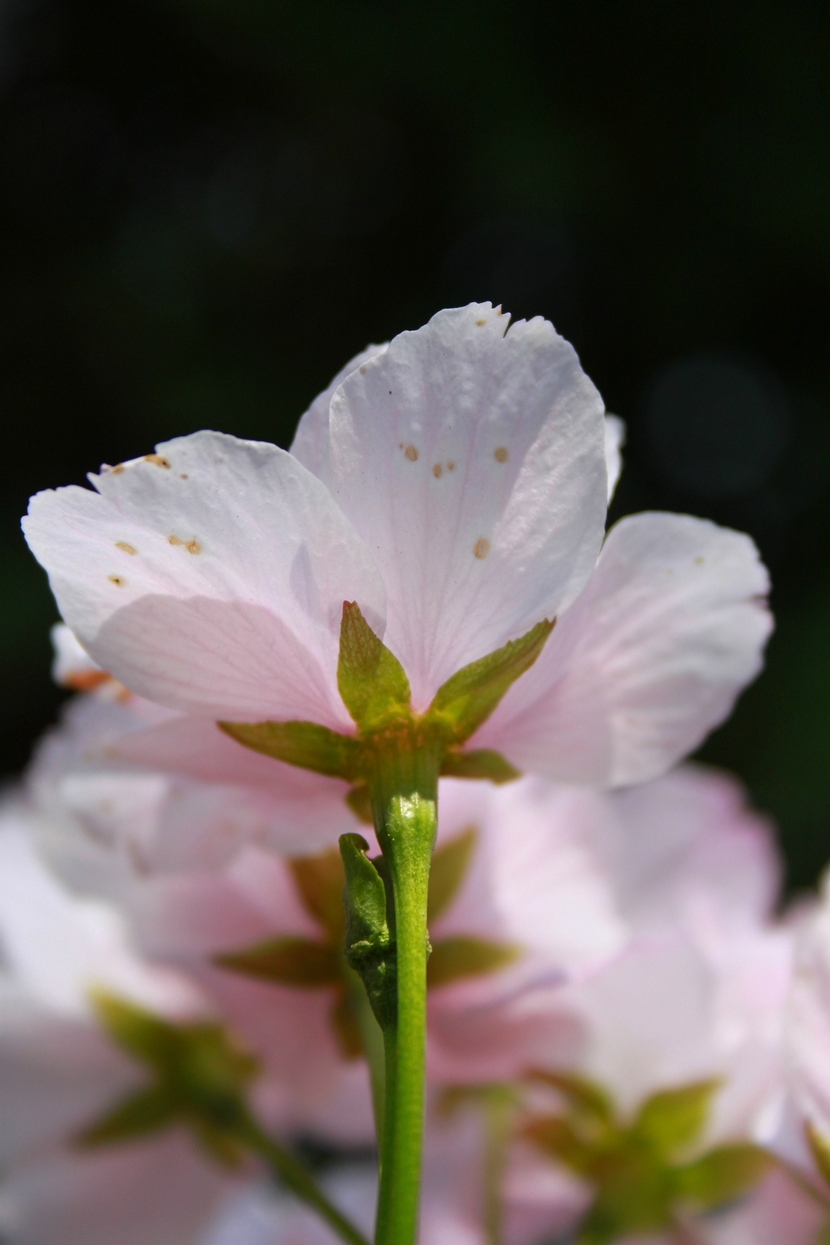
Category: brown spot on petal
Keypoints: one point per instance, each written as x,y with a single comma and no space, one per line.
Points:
130,549
175,540
438,471
363,370
116,470
156,459
500,454
411,453
117,580
481,548
480,322
193,546
450,466
183,475
699,560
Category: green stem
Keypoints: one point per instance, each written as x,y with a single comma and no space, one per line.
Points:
404,800
294,1176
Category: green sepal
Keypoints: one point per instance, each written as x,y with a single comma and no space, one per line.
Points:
480,763
583,1095
197,1071
298,962
449,865
820,1149
369,945
371,680
558,1138
673,1119
320,881
304,744
148,1111
453,959
467,699
722,1174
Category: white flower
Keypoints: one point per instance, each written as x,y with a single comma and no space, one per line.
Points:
454,484
59,1073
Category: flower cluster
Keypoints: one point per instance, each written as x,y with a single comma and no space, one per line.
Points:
284,664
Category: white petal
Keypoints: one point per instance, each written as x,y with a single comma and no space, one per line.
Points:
157,1191
209,576
471,461
72,666
534,877
686,850
614,441
651,657
177,795
60,947
311,440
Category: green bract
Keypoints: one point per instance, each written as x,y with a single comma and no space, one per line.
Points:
320,963
375,690
199,1078
642,1170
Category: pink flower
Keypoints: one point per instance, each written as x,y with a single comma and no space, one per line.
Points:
454,484
59,1073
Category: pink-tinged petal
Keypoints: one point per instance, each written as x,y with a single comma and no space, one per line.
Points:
471,461
650,658
59,947
311,441
154,1191
56,1074
776,1213
808,1019
209,576
534,878
687,850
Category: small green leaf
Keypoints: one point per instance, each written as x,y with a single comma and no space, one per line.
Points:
369,948
582,1094
480,763
455,958
366,923
372,682
558,1138
298,962
467,699
724,1174
320,881
673,1119
304,744
449,865
148,1111
820,1149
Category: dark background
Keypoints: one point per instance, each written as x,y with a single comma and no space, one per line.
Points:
206,206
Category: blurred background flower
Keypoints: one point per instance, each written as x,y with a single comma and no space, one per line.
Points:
206,206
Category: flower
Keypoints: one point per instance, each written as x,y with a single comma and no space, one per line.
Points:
59,1073
454,485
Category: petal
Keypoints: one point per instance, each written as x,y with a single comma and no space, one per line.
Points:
141,1194
534,877
58,946
687,849
670,628
311,440
471,461
209,576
